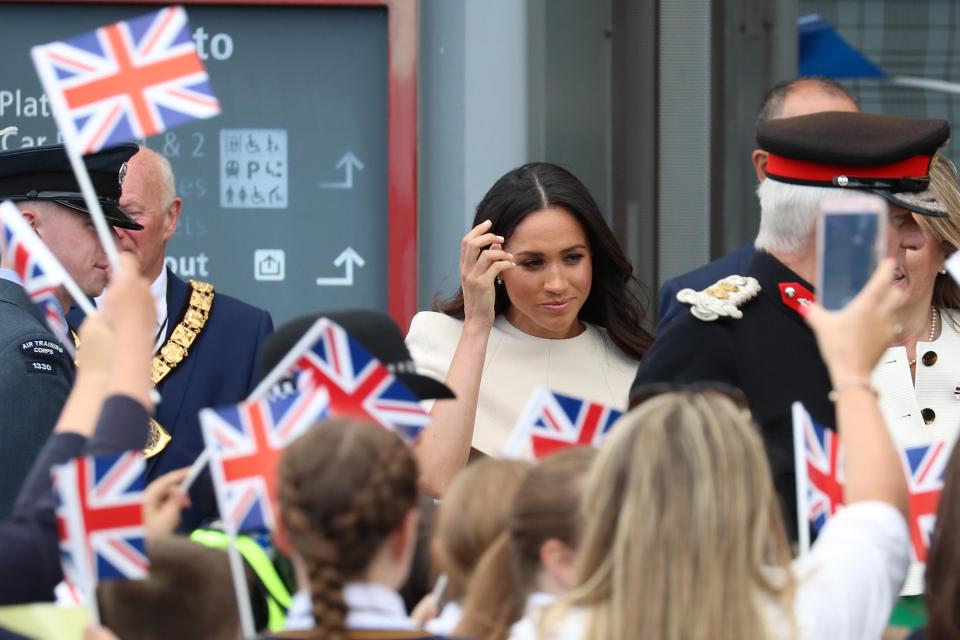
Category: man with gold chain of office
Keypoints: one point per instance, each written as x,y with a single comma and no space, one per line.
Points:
206,343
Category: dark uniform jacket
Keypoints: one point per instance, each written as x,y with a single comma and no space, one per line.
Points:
29,551
769,353
36,374
220,368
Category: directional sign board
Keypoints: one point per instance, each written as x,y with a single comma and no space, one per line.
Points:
285,193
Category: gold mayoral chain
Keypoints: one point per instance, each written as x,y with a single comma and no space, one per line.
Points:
174,351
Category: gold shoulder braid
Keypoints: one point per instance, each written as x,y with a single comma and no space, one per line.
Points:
176,349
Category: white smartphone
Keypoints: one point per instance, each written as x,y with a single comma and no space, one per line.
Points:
851,241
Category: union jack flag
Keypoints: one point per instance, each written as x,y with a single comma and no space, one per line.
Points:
359,385
100,518
552,421
40,272
924,467
819,470
125,81
247,439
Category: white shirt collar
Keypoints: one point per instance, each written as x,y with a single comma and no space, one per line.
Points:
375,606
539,600
447,621
369,606
158,289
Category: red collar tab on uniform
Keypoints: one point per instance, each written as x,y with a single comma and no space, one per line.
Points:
794,294
790,169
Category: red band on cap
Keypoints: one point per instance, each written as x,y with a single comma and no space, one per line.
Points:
915,167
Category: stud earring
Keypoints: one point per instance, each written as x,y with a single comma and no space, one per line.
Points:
499,280
943,272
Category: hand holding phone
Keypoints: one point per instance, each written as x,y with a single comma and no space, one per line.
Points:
851,234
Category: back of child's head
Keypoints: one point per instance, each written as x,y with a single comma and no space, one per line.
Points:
546,507
473,512
344,487
188,594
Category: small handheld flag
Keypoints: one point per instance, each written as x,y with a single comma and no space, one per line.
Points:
40,272
245,441
125,81
924,467
552,421
359,385
100,520
819,466
128,80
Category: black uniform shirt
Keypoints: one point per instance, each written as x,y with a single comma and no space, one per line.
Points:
769,353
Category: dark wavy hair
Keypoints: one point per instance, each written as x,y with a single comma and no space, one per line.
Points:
614,300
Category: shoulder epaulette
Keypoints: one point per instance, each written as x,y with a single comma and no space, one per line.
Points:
722,299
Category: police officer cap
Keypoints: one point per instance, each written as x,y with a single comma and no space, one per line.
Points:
888,155
44,173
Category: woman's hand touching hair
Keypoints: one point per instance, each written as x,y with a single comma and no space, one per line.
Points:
479,269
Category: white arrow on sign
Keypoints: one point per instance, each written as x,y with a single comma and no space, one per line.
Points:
349,257
348,162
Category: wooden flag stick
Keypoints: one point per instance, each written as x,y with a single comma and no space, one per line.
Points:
92,605
799,414
195,470
240,588
93,206
236,562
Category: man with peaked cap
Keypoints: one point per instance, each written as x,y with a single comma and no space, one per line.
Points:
797,97
206,342
35,371
745,330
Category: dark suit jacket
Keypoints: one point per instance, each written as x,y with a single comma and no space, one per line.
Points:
35,377
29,551
700,278
221,368
770,354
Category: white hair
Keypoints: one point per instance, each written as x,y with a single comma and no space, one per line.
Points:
788,213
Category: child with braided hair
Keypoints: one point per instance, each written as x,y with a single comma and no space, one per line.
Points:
347,494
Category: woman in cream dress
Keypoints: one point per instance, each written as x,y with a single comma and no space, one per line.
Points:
547,298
